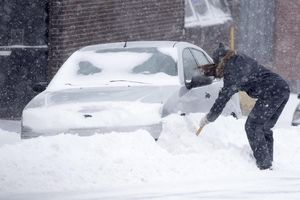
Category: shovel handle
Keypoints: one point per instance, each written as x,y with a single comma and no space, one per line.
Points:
199,131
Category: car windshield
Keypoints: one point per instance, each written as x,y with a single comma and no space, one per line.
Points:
121,66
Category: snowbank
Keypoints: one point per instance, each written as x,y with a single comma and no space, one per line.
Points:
7,137
70,162
221,154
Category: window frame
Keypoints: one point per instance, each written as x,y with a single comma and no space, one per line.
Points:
205,56
199,72
211,19
186,80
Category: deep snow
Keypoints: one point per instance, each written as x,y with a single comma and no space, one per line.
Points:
216,165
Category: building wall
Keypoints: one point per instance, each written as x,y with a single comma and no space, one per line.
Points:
77,23
256,37
23,53
287,41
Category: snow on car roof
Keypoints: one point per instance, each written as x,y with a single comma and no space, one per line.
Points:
103,64
130,44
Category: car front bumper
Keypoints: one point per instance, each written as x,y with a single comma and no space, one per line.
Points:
153,129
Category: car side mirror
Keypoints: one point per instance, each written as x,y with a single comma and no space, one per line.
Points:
39,87
199,80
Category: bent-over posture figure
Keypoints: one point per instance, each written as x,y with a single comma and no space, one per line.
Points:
242,73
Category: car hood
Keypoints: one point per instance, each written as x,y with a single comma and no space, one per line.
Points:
96,107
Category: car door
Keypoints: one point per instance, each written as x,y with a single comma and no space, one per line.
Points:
190,99
202,97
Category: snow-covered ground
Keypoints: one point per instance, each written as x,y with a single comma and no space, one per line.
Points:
216,165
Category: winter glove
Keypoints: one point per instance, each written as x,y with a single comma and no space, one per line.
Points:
202,123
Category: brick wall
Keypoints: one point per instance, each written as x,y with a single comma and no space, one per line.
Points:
77,23
287,45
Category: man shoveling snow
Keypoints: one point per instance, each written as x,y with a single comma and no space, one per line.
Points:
242,73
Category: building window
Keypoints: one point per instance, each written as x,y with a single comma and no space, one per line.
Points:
206,12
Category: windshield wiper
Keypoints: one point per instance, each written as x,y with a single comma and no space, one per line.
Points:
112,81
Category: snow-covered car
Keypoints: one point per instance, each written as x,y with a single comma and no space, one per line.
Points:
123,87
296,116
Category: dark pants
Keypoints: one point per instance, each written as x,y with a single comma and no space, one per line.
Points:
258,127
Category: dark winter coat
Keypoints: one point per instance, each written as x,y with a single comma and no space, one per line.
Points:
242,73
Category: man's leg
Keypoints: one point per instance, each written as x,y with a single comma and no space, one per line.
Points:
256,137
258,126
270,143
270,124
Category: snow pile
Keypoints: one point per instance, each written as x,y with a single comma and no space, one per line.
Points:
70,162
221,154
7,137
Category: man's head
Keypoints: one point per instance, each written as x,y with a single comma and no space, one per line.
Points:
221,56
219,53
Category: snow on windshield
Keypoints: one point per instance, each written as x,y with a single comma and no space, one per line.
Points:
107,67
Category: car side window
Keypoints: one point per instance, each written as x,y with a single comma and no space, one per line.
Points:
200,57
190,65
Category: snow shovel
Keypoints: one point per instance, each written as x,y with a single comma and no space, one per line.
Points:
199,130
191,125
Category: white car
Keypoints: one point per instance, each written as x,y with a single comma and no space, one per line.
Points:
123,87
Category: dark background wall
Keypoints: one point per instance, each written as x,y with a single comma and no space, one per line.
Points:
23,52
269,31
23,22
256,29
287,41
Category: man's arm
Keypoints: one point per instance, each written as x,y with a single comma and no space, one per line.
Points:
224,96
